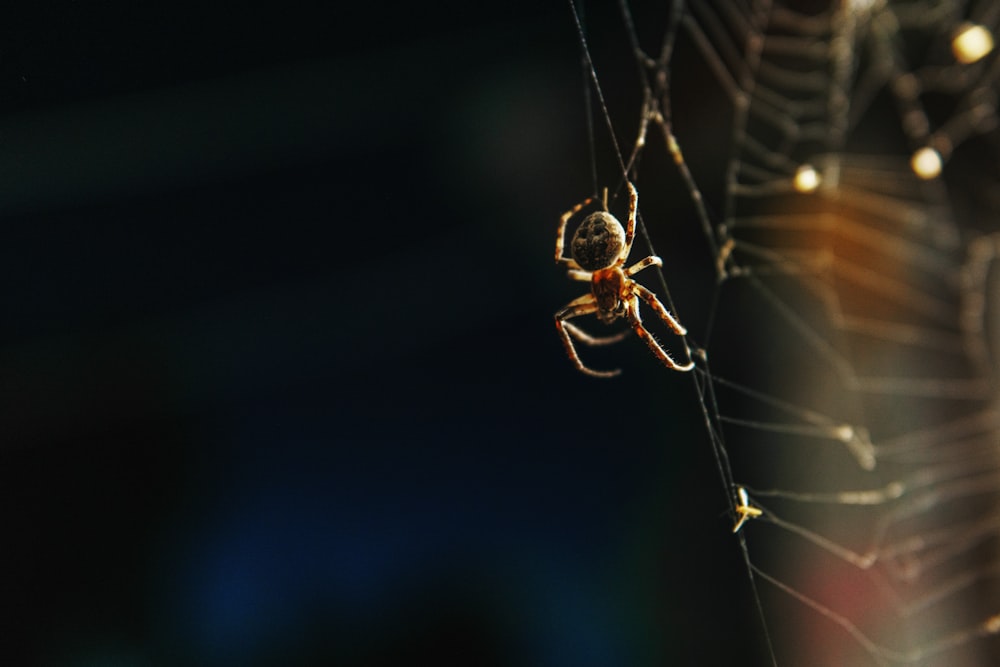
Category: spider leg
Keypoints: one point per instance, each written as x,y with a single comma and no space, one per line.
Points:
561,234
582,276
652,260
587,339
633,208
636,320
585,305
660,309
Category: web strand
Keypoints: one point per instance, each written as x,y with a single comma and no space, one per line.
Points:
852,232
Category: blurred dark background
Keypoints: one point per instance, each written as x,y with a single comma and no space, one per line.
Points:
279,378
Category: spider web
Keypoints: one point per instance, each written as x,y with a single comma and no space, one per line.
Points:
820,180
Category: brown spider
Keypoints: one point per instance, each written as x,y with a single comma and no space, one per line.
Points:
600,248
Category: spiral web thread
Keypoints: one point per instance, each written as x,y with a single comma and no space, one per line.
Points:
850,210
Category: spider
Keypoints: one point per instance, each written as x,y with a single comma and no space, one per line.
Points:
600,248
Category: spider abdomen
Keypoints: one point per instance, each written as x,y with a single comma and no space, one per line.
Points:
598,241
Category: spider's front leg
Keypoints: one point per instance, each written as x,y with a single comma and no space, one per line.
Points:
594,341
636,320
660,309
585,305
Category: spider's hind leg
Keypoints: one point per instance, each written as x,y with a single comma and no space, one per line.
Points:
633,207
561,233
645,263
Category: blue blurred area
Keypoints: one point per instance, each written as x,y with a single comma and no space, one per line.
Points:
320,516
280,382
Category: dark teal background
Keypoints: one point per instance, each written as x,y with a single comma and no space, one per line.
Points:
279,383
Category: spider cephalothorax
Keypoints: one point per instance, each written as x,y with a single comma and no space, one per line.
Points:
600,247
608,287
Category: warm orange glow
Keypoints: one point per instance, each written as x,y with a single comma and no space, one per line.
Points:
860,6
806,178
926,163
971,43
